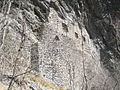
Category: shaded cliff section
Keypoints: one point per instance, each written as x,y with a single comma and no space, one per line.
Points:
102,23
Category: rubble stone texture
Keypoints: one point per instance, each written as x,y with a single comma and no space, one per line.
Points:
59,45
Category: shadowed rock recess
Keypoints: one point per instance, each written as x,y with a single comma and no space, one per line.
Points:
59,44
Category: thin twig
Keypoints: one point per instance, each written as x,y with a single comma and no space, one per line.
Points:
4,34
9,6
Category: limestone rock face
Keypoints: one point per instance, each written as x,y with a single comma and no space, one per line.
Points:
59,45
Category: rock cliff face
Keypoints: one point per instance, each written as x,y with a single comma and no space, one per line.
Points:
59,45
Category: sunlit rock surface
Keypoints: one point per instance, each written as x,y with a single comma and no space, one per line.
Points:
59,45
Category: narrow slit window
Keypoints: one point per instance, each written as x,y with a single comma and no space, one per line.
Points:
76,35
65,27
